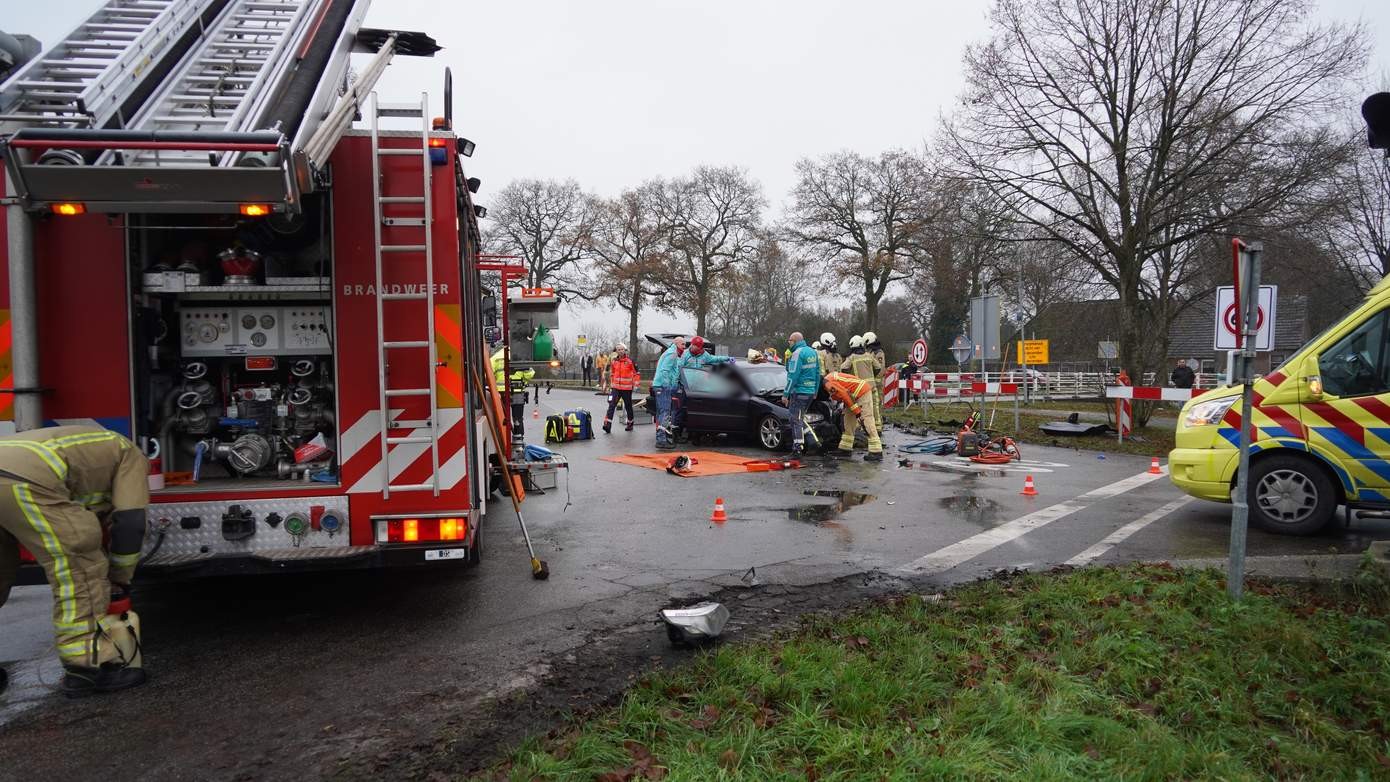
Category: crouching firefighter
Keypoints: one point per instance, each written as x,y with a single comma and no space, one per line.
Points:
625,379
62,490
858,396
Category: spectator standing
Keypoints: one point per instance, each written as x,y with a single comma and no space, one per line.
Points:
1182,375
586,365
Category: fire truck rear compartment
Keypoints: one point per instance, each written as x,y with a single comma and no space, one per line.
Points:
234,348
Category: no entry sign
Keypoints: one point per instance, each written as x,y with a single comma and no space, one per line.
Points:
919,352
1228,321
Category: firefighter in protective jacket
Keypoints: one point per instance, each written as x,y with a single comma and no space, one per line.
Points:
625,378
62,489
858,397
516,390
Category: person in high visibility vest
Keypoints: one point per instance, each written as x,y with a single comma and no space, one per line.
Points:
625,378
858,396
875,349
62,490
665,381
521,378
803,381
602,364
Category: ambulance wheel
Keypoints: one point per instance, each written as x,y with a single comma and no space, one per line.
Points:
1290,495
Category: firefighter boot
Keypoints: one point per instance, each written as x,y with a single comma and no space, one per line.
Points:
79,682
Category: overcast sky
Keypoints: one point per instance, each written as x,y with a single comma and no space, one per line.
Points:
612,92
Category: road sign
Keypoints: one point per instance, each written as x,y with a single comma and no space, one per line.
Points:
1033,351
581,339
1108,350
962,348
919,352
984,327
1227,321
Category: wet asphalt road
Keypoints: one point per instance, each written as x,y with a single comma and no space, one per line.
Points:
290,676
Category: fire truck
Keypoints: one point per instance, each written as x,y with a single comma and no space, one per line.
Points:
204,254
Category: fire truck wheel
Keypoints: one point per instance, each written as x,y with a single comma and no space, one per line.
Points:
1290,495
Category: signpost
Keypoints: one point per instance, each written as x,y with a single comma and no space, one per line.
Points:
1248,298
962,348
1032,351
1228,326
581,339
984,328
919,353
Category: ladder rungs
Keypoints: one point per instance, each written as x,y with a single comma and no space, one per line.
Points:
409,343
402,248
398,110
415,438
423,423
404,221
403,296
402,199
393,151
395,392
410,486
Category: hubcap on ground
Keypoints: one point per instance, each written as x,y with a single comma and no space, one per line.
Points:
1287,496
771,433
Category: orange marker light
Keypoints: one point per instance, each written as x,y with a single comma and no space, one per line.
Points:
439,142
255,210
412,530
554,363
68,210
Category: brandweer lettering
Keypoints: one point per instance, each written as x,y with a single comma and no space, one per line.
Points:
439,289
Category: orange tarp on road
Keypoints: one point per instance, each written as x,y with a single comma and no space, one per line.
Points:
706,462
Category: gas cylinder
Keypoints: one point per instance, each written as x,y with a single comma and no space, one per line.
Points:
122,631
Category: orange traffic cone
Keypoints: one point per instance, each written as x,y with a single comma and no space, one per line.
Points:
1028,490
1154,469
719,516
536,413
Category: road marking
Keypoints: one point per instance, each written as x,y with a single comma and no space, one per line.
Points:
1120,535
946,558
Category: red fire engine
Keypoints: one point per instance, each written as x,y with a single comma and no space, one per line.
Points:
204,256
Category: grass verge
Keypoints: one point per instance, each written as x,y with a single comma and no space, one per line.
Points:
1141,672
1153,440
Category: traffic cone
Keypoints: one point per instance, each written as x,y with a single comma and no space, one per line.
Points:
1028,490
1154,469
536,413
719,516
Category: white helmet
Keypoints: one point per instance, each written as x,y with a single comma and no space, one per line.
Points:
815,346
856,342
870,338
827,339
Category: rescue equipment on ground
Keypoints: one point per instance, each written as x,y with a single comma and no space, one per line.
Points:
695,624
681,464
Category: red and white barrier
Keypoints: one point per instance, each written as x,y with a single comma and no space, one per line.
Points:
890,388
1152,393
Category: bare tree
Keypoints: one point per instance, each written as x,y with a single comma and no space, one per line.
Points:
548,223
859,217
763,298
715,215
1359,230
1123,128
630,244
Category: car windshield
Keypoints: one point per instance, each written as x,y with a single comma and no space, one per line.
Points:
764,378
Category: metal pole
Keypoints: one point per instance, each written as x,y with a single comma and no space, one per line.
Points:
28,406
1240,513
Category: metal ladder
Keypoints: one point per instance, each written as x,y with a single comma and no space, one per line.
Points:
85,78
224,84
377,111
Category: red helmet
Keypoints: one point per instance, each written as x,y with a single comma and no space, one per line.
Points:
697,345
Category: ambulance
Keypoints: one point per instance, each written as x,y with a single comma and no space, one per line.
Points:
1321,434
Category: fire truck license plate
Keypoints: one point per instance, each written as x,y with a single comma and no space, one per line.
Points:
445,553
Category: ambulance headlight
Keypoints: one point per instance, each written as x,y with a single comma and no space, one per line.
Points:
1208,413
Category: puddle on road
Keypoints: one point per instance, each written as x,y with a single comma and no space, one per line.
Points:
976,510
822,513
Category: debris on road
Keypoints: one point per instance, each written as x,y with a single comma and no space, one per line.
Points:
696,624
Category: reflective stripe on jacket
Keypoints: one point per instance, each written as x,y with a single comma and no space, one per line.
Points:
861,365
625,376
847,388
803,370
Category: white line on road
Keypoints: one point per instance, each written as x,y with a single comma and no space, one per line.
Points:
1120,535
946,558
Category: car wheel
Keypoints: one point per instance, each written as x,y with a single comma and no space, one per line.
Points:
770,432
1290,495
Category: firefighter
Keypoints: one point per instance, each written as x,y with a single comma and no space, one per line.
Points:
517,389
665,381
829,360
875,348
859,363
857,396
62,489
625,378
